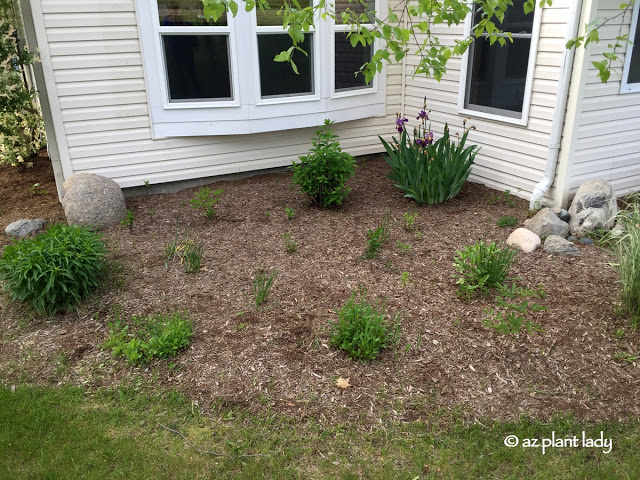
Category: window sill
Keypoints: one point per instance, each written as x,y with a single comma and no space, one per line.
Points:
521,122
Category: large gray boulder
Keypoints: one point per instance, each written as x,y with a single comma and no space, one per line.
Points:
93,200
524,239
546,223
556,245
593,208
24,227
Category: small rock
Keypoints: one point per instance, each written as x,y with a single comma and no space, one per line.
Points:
24,227
561,213
556,245
524,239
593,208
546,223
93,200
585,241
571,238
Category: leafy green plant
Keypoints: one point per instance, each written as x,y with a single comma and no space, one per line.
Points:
192,256
262,282
289,245
127,221
147,186
151,214
22,132
482,266
409,220
403,247
377,238
54,269
502,198
205,199
507,221
363,329
625,357
509,323
322,175
427,171
37,189
511,319
404,279
148,337
290,213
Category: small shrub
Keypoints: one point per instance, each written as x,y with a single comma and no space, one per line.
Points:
507,221
147,338
322,175
290,213
262,281
127,221
362,329
482,266
409,220
427,171
205,200
377,238
55,269
289,245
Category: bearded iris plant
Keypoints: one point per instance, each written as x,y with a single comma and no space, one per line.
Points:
425,170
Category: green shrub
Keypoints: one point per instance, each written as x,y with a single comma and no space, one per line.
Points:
262,281
507,221
426,171
362,329
146,338
55,269
323,173
205,200
21,126
626,248
482,266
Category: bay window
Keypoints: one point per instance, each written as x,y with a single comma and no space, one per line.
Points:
631,70
220,78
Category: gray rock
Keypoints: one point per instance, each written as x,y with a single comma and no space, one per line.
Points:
594,207
524,239
585,241
571,238
546,223
561,213
93,200
556,245
24,227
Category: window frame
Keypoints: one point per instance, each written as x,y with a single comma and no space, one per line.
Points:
626,87
490,113
247,112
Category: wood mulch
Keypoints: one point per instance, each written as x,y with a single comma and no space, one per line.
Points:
277,358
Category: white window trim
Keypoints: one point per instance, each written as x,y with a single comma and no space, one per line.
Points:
624,86
247,113
523,120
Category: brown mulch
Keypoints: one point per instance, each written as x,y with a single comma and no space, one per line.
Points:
277,358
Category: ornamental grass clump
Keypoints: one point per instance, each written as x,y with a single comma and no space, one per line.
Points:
322,175
425,170
55,269
482,266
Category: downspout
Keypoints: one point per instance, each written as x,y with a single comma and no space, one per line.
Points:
560,107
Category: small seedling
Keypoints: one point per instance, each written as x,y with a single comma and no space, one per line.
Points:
267,214
289,245
620,333
507,221
262,282
377,238
37,189
192,256
625,357
409,220
404,279
290,212
151,214
128,220
147,186
404,247
242,326
205,199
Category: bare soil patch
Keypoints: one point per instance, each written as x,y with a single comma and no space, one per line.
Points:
277,358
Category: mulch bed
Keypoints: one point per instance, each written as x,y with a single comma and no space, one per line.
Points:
277,358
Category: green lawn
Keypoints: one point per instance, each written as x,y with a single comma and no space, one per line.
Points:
65,432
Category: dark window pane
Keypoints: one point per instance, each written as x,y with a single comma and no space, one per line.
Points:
348,61
270,17
499,74
278,78
174,13
634,66
355,7
515,20
197,67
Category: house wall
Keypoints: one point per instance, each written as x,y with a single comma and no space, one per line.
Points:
92,58
606,143
512,157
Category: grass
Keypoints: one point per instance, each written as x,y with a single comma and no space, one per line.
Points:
507,221
67,432
262,281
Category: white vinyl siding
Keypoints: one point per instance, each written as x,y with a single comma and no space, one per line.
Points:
512,157
93,55
607,142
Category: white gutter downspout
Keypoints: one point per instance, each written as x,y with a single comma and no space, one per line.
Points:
559,111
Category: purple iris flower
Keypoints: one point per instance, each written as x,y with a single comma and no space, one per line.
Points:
400,123
423,115
428,138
